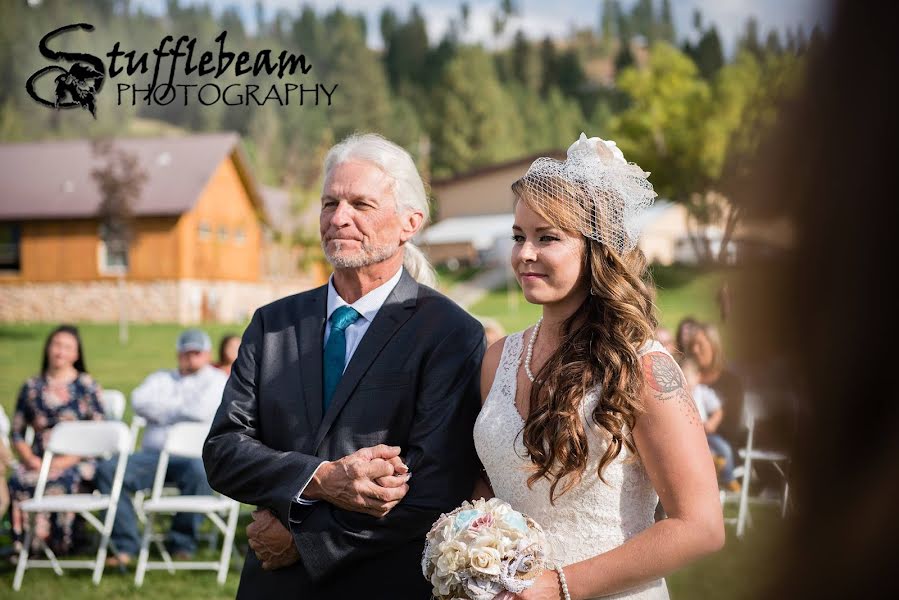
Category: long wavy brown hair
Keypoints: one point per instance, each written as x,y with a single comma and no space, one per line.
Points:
598,350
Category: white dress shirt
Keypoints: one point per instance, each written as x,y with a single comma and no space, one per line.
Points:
367,306
166,397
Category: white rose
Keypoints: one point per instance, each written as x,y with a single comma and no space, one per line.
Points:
484,560
451,557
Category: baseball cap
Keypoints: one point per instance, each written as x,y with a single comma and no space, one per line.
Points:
194,340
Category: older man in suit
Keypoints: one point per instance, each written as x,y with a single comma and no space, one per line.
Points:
348,415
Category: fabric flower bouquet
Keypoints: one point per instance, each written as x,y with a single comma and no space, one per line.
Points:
482,549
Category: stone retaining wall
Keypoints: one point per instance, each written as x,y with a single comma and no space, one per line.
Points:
184,301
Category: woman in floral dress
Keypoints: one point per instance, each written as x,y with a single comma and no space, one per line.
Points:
62,392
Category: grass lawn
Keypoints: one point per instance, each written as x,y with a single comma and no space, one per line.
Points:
735,573
115,366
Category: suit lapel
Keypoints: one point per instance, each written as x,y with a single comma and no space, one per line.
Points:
393,314
309,335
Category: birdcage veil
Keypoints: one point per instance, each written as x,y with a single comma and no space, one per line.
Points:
594,191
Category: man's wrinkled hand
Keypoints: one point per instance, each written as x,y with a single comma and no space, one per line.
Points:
370,481
272,543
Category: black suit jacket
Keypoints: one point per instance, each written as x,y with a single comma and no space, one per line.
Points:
412,382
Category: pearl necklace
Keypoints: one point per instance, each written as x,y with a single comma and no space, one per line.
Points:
530,353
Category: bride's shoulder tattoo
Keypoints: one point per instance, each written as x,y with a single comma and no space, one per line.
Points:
667,383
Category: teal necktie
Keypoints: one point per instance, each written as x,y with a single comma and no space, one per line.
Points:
335,351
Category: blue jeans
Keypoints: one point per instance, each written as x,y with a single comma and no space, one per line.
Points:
187,474
719,446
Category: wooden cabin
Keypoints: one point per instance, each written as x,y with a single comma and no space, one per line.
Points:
198,234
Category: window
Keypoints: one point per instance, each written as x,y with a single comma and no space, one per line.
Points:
113,258
112,254
240,236
223,233
10,252
204,231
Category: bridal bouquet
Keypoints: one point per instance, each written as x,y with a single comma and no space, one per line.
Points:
482,549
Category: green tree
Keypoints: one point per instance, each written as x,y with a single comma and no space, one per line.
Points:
749,95
474,121
772,43
698,138
709,55
750,39
526,67
570,76
406,48
666,30
549,65
362,99
643,19
663,129
608,22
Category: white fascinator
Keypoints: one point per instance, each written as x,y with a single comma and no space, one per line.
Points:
594,191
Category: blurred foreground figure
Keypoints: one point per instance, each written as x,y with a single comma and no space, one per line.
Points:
831,167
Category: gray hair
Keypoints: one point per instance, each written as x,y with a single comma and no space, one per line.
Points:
408,187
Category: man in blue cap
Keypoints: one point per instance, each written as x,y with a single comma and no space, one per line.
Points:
192,392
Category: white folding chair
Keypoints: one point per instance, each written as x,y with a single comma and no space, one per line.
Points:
186,439
751,454
113,402
137,423
86,439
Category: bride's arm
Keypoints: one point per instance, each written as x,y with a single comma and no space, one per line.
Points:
482,487
672,445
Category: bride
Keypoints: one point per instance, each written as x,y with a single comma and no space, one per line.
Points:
586,421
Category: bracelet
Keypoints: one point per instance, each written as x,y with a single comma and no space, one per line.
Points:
563,584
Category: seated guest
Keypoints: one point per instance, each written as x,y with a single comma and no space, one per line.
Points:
62,392
711,412
706,348
228,352
683,335
192,392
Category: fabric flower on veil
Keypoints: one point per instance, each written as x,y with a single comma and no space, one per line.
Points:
611,194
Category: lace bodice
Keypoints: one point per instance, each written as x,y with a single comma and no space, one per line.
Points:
592,518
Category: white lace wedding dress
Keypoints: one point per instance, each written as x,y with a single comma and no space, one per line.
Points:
593,517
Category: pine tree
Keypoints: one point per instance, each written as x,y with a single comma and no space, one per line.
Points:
625,57
364,95
474,121
549,65
571,75
607,19
750,40
643,19
388,23
772,43
709,56
666,23
406,49
526,68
